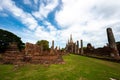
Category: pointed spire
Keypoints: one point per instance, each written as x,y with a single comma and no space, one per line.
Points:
82,51
68,41
52,44
71,40
59,47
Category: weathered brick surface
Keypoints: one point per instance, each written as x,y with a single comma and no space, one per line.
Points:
32,54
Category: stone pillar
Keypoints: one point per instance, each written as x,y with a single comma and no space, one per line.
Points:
59,47
66,48
112,44
52,44
77,47
81,50
72,50
59,51
52,52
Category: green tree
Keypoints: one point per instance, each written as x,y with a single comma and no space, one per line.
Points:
7,37
43,43
63,49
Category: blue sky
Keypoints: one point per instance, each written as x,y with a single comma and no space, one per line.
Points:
34,20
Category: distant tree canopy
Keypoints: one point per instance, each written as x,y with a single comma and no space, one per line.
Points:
7,37
44,44
63,49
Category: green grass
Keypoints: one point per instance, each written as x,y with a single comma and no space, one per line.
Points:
75,68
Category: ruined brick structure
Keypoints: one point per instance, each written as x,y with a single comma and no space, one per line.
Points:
35,54
108,52
32,54
12,54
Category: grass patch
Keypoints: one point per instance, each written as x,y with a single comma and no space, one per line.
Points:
75,68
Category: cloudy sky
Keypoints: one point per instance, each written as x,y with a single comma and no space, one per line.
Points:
34,20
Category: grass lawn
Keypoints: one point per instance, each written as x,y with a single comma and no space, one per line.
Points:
75,68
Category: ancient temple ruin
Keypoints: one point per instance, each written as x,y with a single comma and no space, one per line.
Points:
73,47
36,55
32,54
109,52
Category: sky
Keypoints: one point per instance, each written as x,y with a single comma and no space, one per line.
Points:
34,20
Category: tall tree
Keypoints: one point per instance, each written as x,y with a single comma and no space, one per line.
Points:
44,44
7,37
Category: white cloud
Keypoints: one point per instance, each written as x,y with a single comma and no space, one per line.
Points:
50,26
84,19
35,1
1,8
88,19
43,35
39,32
44,10
49,33
108,9
3,14
74,11
28,2
26,18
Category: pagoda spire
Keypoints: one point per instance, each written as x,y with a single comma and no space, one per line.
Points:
68,41
71,40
